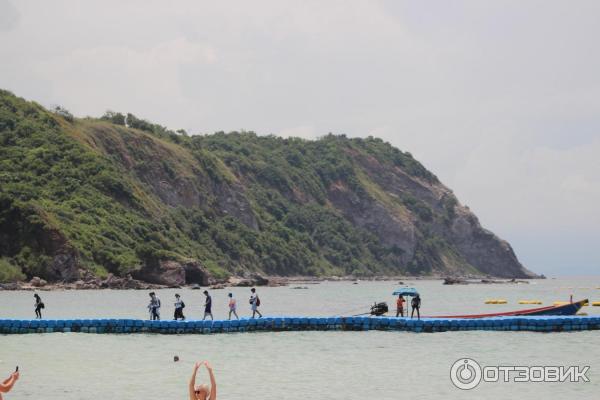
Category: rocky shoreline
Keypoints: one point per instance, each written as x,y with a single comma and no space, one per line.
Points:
112,282
129,283
460,281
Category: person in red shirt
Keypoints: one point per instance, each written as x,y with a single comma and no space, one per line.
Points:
400,306
232,306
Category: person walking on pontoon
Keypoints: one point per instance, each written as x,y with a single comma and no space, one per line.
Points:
203,392
232,306
154,307
207,306
255,303
39,305
179,305
416,305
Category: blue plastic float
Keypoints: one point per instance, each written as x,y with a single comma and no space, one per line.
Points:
282,324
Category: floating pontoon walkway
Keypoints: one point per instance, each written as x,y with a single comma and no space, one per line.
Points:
282,324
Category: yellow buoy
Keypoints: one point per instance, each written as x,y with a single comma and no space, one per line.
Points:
530,302
495,301
587,303
583,314
596,304
561,303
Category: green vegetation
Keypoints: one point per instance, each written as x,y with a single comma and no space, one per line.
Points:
120,192
10,272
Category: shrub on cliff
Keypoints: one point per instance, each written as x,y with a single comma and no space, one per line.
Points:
10,272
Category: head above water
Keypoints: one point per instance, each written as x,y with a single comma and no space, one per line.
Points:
202,392
230,295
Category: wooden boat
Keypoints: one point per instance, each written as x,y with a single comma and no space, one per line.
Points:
566,309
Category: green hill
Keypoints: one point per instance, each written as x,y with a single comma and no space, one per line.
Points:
121,195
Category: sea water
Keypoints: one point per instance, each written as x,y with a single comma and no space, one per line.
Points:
295,365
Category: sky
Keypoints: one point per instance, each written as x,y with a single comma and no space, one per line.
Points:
501,100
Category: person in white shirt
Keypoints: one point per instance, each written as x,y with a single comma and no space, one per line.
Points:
154,307
255,303
179,305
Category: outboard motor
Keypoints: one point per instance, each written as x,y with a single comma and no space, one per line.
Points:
379,309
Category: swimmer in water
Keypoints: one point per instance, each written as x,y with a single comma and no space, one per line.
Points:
9,383
202,392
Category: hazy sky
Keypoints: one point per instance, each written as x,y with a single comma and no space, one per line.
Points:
500,99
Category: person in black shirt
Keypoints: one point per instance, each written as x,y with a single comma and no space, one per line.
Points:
38,306
207,306
416,305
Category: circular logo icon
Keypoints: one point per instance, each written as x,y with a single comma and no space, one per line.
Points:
465,374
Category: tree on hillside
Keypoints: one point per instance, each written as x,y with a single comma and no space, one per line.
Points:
63,112
114,117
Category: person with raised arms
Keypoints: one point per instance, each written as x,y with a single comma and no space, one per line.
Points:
9,382
203,392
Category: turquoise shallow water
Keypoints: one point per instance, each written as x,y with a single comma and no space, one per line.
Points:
294,365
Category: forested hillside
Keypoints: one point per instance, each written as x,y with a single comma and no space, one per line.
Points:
121,195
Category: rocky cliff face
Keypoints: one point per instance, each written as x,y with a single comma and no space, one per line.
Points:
462,242
89,195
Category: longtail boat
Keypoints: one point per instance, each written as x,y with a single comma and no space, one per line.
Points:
566,309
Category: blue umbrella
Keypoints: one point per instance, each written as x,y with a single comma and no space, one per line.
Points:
406,292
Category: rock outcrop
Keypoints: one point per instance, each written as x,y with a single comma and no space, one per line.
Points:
173,273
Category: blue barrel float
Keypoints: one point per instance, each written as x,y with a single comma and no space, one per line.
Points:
286,324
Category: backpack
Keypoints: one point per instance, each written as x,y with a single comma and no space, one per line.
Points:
182,305
257,301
